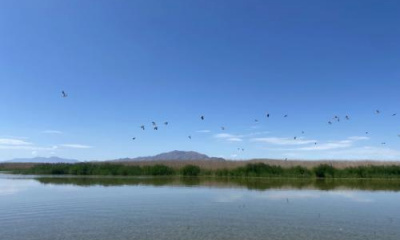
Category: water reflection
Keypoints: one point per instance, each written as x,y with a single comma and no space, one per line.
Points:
250,183
101,208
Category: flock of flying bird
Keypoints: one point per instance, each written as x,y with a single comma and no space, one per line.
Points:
330,122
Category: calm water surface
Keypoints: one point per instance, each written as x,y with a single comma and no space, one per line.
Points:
45,207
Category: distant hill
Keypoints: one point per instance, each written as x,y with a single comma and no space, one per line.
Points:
174,156
42,160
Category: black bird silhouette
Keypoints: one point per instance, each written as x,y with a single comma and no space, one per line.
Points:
142,127
394,114
133,138
255,120
302,132
267,115
315,143
154,123
377,111
347,117
190,137
222,128
294,138
336,117
202,117
166,123
330,123
155,128
242,149
383,143
366,132
64,94
285,115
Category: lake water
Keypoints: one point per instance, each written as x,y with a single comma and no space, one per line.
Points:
42,208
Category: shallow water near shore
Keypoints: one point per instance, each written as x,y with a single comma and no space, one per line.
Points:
46,207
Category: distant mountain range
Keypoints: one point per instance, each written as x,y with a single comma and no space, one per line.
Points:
42,160
173,156
168,156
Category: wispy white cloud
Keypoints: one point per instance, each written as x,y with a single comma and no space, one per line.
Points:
52,132
203,131
13,142
358,138
328,146
234,139
252,134
310,144
27,147
224,135
349,142
347,149
229,137
79,146
283,141
366,152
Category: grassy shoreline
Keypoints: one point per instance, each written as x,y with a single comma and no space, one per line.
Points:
246,171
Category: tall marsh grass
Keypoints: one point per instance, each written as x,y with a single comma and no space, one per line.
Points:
249,170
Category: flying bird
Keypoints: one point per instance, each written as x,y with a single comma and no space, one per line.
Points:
202,117
330,123
255,120
366,132
64,94
302,132
165,123
315,143
142,127
394,114
133,138
285,115
267,115
347,117
383,143
190,137
377,111
222,128
294,138
154,123
155,128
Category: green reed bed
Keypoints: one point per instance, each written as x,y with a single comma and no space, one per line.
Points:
248,171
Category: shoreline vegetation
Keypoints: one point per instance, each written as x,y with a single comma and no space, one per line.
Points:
249,170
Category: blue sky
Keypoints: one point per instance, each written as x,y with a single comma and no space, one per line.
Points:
128,63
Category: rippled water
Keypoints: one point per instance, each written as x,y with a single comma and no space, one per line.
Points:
167,208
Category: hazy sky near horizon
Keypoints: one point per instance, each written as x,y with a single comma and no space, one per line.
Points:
127,63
